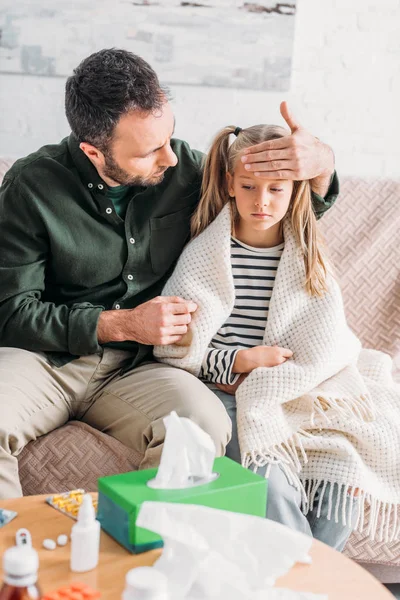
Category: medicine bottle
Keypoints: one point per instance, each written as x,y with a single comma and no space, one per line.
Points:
85,538
145,583
20,567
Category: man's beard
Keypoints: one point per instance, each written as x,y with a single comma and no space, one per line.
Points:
122,177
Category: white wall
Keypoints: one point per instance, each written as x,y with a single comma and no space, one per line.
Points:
345,89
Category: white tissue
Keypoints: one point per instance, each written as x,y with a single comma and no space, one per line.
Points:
188,455
283,594
210,553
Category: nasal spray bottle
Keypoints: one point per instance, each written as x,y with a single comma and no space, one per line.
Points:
85,538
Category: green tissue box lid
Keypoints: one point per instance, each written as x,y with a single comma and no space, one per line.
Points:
130,490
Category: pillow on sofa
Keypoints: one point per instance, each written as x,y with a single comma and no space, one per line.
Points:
76,455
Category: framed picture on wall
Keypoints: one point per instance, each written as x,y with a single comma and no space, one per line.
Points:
218,43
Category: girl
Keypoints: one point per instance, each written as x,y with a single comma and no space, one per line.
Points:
270,338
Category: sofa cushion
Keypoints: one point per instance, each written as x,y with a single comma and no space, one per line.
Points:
362,232
362,235
70,457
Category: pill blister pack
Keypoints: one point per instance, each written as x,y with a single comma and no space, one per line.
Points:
6,516
69,502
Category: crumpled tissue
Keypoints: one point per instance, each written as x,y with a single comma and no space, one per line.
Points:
188,455
211,553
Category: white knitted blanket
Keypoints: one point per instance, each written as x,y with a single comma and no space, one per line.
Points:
329,414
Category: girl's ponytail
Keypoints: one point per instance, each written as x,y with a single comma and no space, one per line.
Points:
214,189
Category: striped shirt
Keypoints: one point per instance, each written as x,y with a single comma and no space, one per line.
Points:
254,271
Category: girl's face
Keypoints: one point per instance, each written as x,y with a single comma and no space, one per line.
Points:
261,203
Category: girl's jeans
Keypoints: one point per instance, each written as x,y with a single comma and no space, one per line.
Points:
283,503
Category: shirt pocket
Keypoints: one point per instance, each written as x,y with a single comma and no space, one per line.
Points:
168,236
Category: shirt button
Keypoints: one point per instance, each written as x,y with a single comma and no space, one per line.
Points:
109,211
132,240
130,277
100,186
117,306
90,185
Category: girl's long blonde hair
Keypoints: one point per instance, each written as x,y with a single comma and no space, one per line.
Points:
221,159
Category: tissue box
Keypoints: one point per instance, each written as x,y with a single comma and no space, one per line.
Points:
121,496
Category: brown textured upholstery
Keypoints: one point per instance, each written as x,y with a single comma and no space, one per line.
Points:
362,232
72,456
363,236
364,241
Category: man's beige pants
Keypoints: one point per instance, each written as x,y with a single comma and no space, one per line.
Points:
36,397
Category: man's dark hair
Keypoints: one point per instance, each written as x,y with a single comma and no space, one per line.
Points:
106,85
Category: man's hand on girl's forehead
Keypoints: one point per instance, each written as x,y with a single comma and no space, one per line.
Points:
298,156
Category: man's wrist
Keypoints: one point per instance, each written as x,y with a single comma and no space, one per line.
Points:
320,184
109,327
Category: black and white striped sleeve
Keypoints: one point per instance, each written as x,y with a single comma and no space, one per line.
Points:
217,366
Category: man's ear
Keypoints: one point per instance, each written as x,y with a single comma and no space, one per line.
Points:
229,179
93,153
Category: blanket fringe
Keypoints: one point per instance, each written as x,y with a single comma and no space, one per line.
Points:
360,407
375,518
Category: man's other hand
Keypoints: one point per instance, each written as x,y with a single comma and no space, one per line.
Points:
161,321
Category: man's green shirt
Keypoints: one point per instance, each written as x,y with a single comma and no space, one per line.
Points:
66,254
120,196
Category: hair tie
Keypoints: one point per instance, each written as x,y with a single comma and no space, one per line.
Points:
237,131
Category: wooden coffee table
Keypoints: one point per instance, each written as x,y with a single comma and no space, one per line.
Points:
330,573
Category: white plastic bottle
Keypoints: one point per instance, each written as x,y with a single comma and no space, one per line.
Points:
145,583
85,538
20,566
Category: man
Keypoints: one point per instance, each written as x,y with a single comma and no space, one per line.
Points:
90,229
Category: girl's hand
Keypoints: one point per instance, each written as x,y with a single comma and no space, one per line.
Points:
231,389
260,356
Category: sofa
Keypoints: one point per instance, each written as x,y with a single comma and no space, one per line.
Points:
362,232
